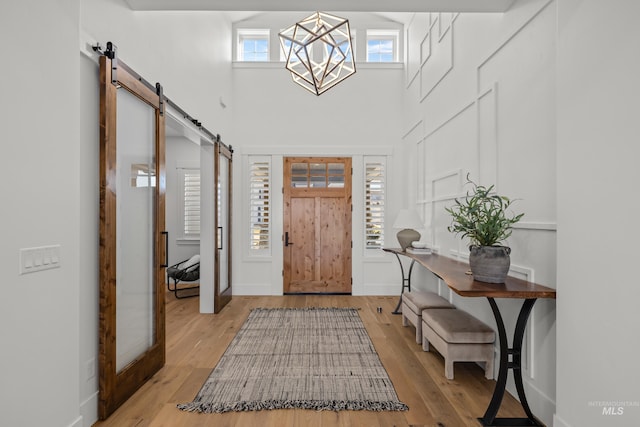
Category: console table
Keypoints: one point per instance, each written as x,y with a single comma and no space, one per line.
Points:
454,274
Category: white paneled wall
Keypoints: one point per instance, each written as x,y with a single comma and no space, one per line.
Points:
480,90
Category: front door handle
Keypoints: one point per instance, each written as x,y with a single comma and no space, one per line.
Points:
286,239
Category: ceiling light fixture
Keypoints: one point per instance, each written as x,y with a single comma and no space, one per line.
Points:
318,51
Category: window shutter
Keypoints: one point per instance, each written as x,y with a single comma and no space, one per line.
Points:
374,204
191,203
259,194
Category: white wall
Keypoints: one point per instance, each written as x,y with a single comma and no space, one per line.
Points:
189,53
181,153
40,183
275,117
598,211
480,99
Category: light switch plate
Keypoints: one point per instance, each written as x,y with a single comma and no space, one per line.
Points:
40,258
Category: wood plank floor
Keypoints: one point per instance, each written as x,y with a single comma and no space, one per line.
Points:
195,343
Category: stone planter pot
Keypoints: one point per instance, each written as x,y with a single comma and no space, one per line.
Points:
489,264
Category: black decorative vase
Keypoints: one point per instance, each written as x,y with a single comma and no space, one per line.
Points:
489,264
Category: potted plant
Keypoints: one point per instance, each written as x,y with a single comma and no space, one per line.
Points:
482,216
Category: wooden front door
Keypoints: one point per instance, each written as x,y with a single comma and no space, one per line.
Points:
317,225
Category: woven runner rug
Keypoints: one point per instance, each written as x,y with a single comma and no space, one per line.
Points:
307,358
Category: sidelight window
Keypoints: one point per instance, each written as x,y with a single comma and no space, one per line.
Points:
374,191
260,203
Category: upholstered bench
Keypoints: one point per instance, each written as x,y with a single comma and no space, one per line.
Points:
459,337
412,305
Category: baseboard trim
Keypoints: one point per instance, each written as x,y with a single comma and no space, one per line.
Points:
363,290
381,290
77,422
89,411
252,290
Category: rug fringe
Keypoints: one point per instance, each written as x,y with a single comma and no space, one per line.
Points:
316,405
304,308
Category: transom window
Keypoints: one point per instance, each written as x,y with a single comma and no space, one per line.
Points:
317,175
382,45
253,45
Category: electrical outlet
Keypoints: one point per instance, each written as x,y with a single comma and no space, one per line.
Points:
40,258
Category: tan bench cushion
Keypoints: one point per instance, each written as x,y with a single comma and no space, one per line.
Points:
417,301
458,326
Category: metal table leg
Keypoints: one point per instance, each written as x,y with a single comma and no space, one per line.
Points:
406,282
489,418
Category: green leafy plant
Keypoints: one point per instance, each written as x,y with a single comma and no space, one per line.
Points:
482,216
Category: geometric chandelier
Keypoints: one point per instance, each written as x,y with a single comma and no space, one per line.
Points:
318,50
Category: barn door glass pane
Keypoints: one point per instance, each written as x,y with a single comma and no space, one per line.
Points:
135,189
223,215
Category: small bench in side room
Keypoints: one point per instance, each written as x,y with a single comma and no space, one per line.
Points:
459,337
412,305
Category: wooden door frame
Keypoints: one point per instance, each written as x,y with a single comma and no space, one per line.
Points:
312,192
115,388
221,299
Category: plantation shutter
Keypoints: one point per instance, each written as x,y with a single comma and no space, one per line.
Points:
259,203
191,203
374,203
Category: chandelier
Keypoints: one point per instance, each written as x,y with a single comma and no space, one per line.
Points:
318,51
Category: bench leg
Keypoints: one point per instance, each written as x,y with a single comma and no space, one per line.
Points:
448,369
405,321
419,331
425,343
488,368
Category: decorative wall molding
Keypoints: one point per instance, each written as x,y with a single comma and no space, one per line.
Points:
445,23
440,52
411,129
508,40
488,133
529,225
447,121
425,49
441,177
413,35
487,136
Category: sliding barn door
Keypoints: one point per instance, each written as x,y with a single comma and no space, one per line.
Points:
223,184
317,225
132,240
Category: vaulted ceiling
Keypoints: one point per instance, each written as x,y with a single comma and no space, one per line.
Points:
327,5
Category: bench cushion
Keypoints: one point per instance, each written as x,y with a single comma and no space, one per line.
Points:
417,301
458,326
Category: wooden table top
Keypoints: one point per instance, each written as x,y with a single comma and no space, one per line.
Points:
454,274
